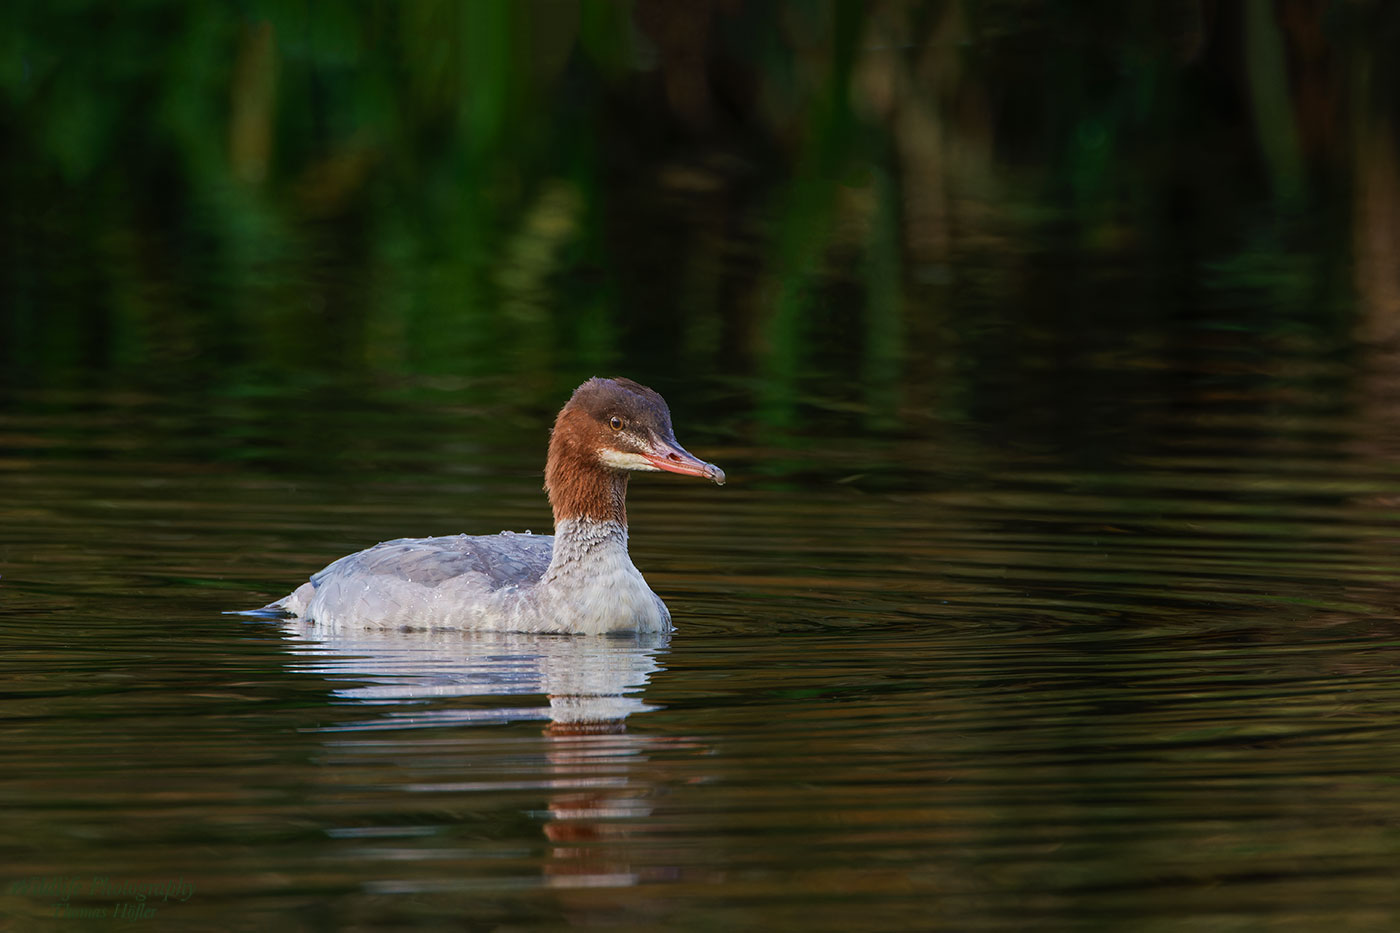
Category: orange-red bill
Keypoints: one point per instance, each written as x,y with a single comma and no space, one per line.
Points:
673,458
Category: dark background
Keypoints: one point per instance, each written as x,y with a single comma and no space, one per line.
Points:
852,214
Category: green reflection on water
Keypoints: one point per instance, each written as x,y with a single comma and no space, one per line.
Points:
1056,573
825,204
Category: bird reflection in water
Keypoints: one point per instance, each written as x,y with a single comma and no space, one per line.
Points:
417,680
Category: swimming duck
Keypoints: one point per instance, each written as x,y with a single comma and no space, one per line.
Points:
580,580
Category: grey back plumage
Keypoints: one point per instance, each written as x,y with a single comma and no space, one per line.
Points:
489,561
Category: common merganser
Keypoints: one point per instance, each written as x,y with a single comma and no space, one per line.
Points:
579,581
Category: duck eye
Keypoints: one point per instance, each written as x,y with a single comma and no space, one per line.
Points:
615,423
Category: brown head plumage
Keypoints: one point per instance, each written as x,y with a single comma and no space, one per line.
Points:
608,428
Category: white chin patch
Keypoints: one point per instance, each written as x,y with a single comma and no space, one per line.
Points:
619,460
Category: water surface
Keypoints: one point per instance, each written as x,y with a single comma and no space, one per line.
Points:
918,681
1049,349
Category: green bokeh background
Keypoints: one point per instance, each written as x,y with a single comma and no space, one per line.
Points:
895,207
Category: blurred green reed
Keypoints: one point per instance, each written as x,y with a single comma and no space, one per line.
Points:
898,200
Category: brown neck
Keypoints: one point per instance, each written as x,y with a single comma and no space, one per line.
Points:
579,486
587,493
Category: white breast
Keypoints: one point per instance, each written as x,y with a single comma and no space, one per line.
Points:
593,582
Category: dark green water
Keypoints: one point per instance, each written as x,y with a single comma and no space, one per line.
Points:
1050,350
917,682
